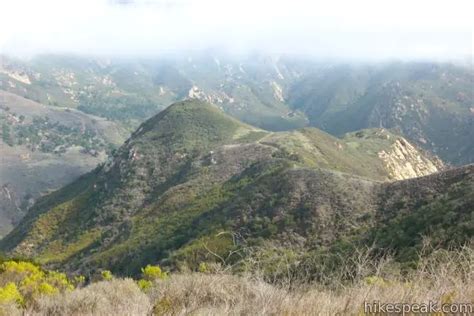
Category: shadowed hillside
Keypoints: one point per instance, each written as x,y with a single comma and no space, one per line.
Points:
193,176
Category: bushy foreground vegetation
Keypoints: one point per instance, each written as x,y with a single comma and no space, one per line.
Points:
26,286
444,277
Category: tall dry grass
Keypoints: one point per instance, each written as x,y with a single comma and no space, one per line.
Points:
114,297
444,277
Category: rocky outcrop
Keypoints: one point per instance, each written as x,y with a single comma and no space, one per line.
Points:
404,161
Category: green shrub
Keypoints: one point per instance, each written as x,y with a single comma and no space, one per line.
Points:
24,282
9,293
107,275
153,273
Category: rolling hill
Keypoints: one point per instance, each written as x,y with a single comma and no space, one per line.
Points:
194,185
65,113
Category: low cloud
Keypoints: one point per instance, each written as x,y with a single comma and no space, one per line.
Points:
364,29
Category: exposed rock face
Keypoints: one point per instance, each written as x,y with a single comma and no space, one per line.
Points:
277,91
196,93
429,104
19,75
404,161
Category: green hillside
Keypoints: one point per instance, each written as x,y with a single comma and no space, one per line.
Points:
194,185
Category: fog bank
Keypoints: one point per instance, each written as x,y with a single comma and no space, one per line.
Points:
364,29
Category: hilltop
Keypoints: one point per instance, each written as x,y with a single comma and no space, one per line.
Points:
193,184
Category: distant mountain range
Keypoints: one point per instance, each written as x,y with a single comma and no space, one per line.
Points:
429,103
195,185
60,116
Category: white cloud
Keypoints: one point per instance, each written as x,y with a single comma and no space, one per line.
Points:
347,29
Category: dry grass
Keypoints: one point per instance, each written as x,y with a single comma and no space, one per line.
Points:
445,277
115,297
200,294
10,309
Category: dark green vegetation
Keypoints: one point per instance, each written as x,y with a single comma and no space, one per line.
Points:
431,104
194,186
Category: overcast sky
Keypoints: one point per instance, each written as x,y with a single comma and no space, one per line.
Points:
360,29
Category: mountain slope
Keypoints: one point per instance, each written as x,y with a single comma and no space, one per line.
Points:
430,104
43,148
438,207
191,172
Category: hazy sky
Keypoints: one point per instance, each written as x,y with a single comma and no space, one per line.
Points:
330,28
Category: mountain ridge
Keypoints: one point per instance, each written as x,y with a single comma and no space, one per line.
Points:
429,103
179,178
